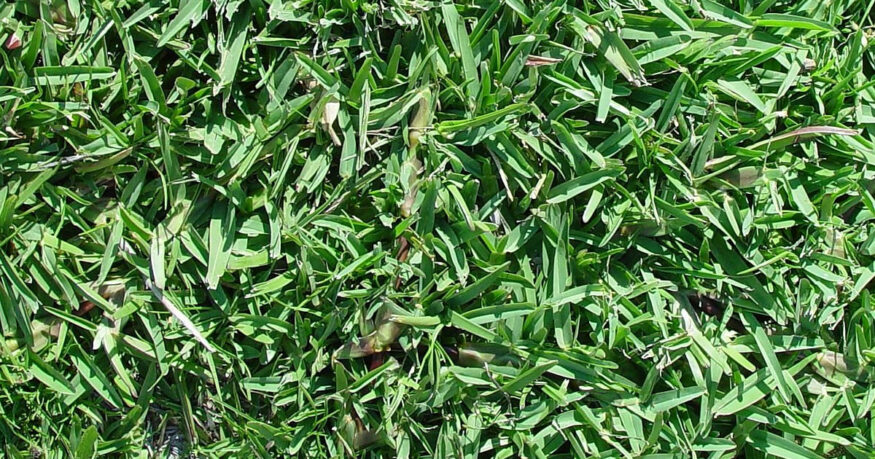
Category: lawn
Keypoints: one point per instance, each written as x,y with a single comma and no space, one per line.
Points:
410,228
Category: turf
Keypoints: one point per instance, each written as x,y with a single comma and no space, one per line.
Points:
633,228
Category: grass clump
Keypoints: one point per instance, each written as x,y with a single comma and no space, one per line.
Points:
437,229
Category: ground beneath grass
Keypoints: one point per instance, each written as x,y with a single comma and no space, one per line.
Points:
407,228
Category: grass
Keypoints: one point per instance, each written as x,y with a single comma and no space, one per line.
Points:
431,229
